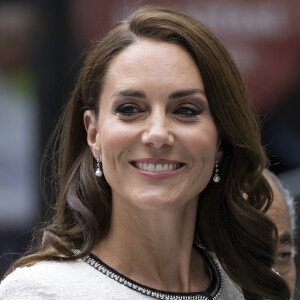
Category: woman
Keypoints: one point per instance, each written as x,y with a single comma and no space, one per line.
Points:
158,147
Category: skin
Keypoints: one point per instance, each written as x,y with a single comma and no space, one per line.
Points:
153,108
284,262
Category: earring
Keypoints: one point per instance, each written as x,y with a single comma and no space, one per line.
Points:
216,177
98,172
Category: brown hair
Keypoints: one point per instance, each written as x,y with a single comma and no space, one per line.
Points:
231,225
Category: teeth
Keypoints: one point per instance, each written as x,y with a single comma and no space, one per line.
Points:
156,167
151,167
165,167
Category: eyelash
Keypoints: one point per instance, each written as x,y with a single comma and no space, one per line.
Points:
127,109
185,111
188,111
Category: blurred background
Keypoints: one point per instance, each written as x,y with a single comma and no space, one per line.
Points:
42,46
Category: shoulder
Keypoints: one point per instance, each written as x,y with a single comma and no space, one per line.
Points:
63,281
42,280
230,290
50,270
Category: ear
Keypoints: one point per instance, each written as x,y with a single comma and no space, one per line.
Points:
90,124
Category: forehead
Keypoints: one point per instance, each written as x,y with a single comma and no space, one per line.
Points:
278,212
158,62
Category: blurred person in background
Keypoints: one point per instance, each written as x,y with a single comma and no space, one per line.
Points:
282,213
158,145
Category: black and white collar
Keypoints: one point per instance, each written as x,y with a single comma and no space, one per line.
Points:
211,293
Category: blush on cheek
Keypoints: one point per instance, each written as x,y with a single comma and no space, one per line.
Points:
205,146
116,138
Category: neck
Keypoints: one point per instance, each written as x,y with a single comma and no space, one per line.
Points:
155,248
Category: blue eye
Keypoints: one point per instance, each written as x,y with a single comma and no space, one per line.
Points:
127,109
187,111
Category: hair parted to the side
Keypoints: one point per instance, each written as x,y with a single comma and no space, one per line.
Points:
232,226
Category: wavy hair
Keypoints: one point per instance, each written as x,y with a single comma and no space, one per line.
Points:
231,225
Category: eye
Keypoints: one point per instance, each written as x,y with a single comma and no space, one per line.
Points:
283,257
127,109
187,110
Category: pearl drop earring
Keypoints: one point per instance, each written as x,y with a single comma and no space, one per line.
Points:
216,177
98,172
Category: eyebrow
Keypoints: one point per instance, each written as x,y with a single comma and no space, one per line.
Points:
130,93
184,93
174,95
285,238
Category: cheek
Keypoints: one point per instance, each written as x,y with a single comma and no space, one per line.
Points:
202,141
290,279
293,272
115,138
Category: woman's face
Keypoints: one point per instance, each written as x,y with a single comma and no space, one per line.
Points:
155,133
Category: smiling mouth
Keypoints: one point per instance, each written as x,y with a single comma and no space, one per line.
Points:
156,168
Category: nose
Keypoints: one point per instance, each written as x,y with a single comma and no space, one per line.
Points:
157,134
